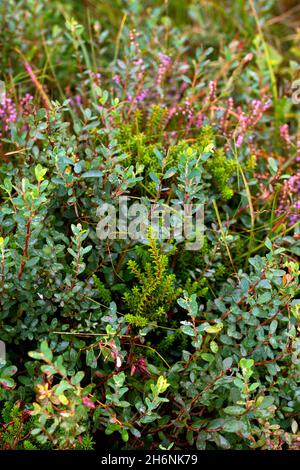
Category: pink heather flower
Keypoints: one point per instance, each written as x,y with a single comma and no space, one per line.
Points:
188,111
141,96
212,90
239,140
117,79
132,37
290,200
26,106
224,120
298,151
285,135
171,113
199,120
165,60
139,61
88,403
165,63
77,99
8,112
97,75
248,57
248,121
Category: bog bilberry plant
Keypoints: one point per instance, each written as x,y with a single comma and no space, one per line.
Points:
143,342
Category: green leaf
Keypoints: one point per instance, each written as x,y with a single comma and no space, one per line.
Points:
234,410
253,386
246,363
207,357
72,252
273,165
49,370
91,360
36,355
214,347
170,172
266,402
7,185
59,366
239,383
92,174
122,403
61,387
35,431
264,284
221,441
227,363
214,329
233,425
215,424
273,326
119,379
268,244
40,172
9,371
294,426
188,330
76,379
63,399
162,384
46,351
264,298
154,177
125,435
7,382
